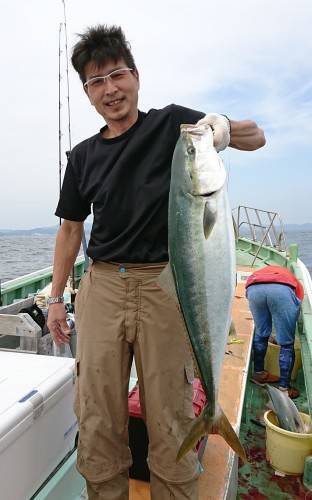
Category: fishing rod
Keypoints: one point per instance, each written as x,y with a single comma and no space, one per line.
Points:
59,116
64,24
63,27
67,77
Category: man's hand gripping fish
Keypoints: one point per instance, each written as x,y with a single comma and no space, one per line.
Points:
201,269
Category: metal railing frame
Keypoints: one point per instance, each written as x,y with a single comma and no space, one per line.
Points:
266,222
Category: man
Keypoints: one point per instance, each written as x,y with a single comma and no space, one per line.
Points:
124,173
274,294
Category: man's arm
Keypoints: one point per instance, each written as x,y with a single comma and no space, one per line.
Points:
246,135
68,241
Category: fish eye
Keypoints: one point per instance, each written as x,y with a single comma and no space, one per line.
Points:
191,150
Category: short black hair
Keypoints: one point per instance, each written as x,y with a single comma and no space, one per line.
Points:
101,44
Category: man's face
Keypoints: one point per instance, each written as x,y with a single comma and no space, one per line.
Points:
114,98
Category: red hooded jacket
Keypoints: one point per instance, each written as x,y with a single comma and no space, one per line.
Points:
276,274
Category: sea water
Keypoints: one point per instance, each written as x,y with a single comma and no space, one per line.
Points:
20,255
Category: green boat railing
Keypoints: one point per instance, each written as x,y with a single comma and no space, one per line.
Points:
30,284
305,320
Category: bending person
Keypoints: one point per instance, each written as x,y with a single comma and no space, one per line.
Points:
274,295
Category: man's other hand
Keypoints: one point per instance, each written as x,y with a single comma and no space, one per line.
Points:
221,129
57,324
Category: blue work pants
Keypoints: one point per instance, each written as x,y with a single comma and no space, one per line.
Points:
277,303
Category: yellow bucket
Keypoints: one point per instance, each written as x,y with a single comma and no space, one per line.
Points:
271,362
286,451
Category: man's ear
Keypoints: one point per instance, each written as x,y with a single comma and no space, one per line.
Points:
86,91
137,76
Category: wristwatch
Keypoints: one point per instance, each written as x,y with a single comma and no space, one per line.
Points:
55,300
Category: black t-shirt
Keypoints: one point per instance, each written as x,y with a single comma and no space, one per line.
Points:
126,179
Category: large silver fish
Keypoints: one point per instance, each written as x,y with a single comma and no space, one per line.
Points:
201,269
286,411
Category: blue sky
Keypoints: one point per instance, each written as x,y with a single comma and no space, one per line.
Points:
247,59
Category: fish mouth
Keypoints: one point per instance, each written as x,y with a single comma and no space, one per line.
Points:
193,129
198,136
205,196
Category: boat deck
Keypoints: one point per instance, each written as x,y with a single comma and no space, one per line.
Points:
219,479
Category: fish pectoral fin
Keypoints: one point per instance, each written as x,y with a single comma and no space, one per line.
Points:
210,216
166,282
206,424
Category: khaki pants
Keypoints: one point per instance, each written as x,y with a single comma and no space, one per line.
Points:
121,312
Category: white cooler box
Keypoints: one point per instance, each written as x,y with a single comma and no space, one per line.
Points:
37,424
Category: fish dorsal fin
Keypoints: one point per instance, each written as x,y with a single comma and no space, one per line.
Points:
210,216
167,283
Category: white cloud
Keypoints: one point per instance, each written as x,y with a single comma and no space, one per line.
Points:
193,54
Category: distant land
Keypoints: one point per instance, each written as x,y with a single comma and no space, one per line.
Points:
40,231
51,230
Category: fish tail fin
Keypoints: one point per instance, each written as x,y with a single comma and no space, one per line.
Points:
197,431
225,429
206,424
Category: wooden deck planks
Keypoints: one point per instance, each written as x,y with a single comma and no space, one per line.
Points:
139,490
218,455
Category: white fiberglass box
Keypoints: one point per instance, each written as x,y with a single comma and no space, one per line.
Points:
37,424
